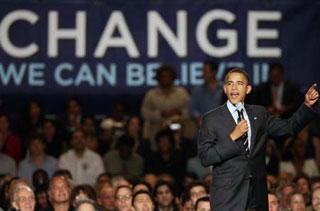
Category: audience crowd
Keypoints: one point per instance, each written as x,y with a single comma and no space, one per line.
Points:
129,162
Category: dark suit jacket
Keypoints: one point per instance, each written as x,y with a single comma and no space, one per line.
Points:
232,168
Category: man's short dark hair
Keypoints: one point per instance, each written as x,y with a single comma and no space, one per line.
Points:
204,198
166,68
276,65
212,64
237,70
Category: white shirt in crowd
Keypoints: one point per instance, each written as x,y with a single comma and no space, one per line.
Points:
84,169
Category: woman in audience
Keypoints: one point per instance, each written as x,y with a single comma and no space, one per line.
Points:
23,198
297,202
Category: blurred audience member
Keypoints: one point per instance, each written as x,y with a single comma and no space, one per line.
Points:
142,185
12,145
107,197
32,119
203,204
37,159
123,160
88,125
164,103
281,97
303,186
316,199
86,205
42,199
82,192
273,202
297,202
185,203
141,146
296,159
59,193
8,165
23,198
143,201
209,95
53,140
84,164
124,198
284,191
196,191
166,159
164,195
40,179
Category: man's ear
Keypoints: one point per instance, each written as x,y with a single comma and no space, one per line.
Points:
248,89
15,205
225,89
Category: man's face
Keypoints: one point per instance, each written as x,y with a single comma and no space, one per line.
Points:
203,206
236,87
124,199
24,201
164,196
316,200
208,73
107,197
297,203
197,192
273,202
165,79
143,202
59,191
78,141
36,147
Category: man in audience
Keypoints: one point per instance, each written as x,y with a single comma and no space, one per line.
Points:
123,160
84,164
143,201
37,159
281,97
196,191
203,204
107,197
209,95
59,193
165,196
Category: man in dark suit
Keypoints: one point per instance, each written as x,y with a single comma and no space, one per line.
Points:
236,151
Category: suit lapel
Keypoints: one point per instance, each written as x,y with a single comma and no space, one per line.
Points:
252,120
227,116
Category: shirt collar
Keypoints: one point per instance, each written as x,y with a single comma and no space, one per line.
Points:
232,108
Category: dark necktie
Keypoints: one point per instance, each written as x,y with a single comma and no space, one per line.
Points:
244,137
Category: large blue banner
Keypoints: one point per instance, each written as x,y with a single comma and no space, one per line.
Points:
114,48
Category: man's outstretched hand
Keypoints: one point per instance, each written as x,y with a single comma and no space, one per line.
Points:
311,96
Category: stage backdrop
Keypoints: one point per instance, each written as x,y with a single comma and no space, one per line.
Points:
110,49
